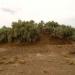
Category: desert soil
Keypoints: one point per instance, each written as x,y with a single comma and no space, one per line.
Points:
38,59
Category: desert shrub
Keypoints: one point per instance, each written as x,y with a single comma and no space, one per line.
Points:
50,26
25,31
63,32
3,34
73,36
29,31
40,26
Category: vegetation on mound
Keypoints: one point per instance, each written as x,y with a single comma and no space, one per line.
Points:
29,31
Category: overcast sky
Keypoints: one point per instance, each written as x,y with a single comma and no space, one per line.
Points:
62,11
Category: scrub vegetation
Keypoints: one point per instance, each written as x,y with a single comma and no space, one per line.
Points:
29,31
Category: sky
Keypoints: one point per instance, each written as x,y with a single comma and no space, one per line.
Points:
62,11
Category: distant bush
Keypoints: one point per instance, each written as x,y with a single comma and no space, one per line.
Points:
25,31
29,31
51,25
63,32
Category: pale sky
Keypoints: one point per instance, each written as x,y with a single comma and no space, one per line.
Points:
62,11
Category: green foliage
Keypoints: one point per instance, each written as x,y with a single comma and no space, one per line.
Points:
29,31
40,26
73,36
3,34
25,31
50,26
63,32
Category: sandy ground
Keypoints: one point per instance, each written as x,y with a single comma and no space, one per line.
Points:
37,60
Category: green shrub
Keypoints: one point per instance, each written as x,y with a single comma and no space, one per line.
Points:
29,31
50,26
63,32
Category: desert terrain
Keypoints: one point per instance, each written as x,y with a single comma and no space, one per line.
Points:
44,58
